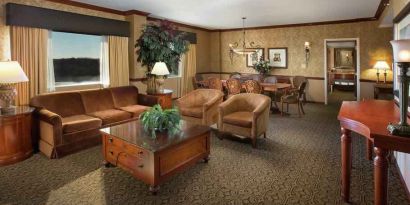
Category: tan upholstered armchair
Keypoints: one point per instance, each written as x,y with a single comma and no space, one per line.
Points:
245,114
200,106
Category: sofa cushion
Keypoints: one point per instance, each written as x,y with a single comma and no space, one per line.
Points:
135,110
97,100
242,119
78,123
191,111
63,104
125,96
111,116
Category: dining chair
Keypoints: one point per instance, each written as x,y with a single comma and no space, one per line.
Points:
235,75
294,98
233,86
253,86
214,83
296,82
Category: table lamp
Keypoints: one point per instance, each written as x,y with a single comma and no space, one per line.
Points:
10,74
381,65
401,56
160,69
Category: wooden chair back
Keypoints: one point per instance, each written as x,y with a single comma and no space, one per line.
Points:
233,86
253,86
214,83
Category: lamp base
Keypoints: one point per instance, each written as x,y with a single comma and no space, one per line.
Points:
160,82
399,130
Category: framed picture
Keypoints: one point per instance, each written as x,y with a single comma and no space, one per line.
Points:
253,58
278,57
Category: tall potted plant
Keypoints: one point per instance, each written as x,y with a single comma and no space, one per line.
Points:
160,42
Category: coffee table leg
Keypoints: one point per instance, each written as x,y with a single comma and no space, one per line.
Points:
154,189
106,164
206,159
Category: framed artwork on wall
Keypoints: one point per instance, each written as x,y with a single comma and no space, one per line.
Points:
278,57
254,57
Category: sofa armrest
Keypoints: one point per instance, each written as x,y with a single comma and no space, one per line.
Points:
50,117
147,100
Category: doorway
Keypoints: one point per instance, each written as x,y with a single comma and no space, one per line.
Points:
341,70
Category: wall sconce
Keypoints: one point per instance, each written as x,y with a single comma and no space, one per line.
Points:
307,52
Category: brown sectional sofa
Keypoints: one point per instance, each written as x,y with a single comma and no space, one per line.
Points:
70,121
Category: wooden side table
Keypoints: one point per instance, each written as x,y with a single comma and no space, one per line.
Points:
15,136
385,88
165,98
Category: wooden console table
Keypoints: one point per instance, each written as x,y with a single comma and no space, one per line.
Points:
386,88
370,119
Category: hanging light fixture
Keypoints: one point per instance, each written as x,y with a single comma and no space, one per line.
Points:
244,50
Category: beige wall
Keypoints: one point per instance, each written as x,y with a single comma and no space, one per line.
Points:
398,5
374,45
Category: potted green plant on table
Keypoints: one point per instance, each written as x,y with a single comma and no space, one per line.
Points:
158,120
160,43
262,66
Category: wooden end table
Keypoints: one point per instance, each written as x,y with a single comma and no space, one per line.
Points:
15,136
165,98
150,160
385,88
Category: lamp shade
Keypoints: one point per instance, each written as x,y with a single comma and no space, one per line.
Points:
401,51
160,68
11,72
381,65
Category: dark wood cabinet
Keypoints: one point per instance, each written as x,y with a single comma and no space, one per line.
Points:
15,136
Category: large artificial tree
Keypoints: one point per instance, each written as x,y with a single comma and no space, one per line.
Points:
161,42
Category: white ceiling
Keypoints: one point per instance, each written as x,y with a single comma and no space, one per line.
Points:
225,14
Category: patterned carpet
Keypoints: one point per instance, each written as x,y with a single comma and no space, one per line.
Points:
299,163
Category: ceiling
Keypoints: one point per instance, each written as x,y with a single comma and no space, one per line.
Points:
227,14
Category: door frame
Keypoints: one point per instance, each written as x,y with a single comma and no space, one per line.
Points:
357,65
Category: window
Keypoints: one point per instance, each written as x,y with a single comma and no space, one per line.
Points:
77,59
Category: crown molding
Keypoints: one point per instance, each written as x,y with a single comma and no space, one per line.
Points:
382,5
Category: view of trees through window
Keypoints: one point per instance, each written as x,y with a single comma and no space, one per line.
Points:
76,58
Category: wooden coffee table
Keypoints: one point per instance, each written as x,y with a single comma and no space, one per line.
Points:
150,160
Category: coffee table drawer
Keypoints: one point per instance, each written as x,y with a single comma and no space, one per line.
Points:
134,164
128,148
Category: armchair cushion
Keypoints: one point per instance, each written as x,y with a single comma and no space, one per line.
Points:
111,116
242,119
78,123
135,110
192,111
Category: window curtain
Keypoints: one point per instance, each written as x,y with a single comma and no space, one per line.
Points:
105,63
189,70
118,61
29,48
51,82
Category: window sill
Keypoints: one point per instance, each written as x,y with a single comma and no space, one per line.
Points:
82,86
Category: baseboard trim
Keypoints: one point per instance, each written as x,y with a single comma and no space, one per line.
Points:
401,177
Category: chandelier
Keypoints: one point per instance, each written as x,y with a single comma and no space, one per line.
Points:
244,50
